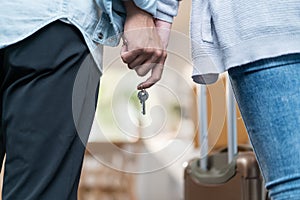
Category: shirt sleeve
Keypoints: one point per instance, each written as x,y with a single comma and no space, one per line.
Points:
149,6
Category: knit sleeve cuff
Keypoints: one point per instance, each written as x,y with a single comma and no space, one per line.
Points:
166,10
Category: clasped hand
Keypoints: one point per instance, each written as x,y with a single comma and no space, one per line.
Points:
144,45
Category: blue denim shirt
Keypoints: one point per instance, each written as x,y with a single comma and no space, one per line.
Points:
100,21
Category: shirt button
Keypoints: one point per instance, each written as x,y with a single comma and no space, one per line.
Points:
100,36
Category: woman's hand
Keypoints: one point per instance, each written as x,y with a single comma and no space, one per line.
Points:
164,30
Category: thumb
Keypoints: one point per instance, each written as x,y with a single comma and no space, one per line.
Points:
123,49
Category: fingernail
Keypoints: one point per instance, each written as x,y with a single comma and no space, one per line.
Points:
141,86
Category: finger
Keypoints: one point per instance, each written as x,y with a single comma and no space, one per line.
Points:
154,78
144,62
123,49
155,75
138,61
155,59
129,56
144,69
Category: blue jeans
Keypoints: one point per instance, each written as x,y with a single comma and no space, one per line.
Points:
268,94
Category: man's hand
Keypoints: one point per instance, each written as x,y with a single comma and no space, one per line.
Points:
143,49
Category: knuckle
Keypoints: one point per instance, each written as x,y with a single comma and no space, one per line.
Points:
123,58
147,51
140,72
158,53
140,48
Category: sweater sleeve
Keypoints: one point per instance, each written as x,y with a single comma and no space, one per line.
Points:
166,10
161,9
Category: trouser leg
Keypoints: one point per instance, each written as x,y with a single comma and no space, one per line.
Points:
268,94
43,149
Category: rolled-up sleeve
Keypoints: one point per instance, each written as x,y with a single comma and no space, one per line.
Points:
114,15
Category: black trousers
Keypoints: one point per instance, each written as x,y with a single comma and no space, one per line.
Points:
47,93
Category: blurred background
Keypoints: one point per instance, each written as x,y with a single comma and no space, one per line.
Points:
136,157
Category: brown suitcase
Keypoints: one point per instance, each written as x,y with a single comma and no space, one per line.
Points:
225,175
239,180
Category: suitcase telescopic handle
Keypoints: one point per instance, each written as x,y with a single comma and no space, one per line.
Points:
231,124
203,134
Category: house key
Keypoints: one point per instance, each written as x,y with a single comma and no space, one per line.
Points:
143,96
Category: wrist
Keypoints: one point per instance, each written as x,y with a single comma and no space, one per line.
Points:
162,24
136,17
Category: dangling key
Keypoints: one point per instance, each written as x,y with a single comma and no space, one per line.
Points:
143,96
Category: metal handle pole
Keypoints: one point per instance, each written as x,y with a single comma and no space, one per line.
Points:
231,122
203,134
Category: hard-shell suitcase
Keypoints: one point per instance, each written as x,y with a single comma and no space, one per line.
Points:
231,174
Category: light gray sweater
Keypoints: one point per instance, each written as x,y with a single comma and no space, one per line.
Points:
230,33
